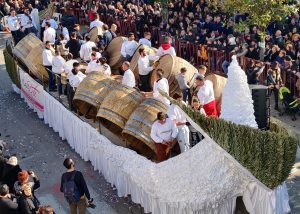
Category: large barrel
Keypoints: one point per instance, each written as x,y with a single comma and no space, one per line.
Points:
113,51
171,66
136,56
94,33
30,52
138,127
91,93
218,83
117,107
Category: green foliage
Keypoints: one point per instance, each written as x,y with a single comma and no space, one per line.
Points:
260,12
268,155
11,67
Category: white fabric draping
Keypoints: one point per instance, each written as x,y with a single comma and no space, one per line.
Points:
203,180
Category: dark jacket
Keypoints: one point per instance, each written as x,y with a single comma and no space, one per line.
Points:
79,181
106,38
7,206
74,47
28,205
10,175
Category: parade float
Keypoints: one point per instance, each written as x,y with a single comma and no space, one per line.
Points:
233,160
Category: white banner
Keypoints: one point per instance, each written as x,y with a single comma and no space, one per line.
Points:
32,93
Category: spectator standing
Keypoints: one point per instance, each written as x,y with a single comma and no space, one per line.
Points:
184,85
86,49
47,63
96,22
23,178
146,40
274,81
128,77
49,34
7,204
14,26
74,46
113,30
28,204
106,36
27,23
128,47
58,67
75,179
144,70
163,133
10,172
166,48
52,22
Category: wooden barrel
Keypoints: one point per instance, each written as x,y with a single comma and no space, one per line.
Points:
136,56
91,93
117,107
171,66
138,127
29,51
218,83
94,33
113,51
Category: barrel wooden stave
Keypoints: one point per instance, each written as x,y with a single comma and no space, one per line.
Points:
171,66
218,83
138,128
94,33
136,56
117,107
91,93
30,52
114,57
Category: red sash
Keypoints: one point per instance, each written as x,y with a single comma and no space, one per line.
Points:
210,109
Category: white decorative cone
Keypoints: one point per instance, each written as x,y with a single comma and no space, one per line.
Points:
237,103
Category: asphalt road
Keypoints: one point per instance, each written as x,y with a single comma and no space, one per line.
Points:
40,149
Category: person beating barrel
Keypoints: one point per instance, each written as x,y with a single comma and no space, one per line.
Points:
206,95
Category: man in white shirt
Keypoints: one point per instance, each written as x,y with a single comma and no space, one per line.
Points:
74,81
128,77
96,22
27,23
14,26
180,121
146,40
86,49
47,63
64,31
52,22
58,67
166,48
69,64
128,47
144,70
163,133
49,34
206,95
162,84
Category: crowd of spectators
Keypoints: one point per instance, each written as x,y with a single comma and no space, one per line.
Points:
196,22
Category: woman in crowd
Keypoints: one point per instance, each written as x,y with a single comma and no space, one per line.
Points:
23,178
28,204
274,81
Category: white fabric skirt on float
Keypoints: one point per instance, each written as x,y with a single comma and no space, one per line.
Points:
203,180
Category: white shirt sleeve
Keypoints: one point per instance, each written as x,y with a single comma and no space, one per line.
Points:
159,52
154,133
174,130
123,49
